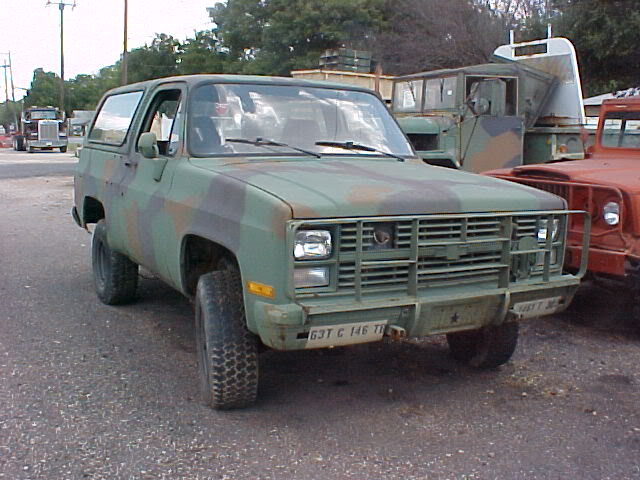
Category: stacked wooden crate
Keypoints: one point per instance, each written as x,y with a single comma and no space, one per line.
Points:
347,59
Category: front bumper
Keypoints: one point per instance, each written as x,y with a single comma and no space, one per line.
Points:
46,143
601,261
286,327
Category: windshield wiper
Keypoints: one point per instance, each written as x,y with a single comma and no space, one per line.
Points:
358,146
264,142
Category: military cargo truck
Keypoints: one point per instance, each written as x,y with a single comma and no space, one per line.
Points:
524,108
43,128
606,184
296,215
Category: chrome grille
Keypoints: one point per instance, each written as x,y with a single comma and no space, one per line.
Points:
47,130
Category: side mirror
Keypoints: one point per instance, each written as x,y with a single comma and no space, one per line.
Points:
148,145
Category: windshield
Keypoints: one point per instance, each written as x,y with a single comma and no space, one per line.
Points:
292,116
43,114
621,130
407,96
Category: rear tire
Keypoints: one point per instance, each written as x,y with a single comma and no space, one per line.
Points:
227,350
115,276
487,347
63,149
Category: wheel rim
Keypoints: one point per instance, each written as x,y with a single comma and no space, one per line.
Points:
101,261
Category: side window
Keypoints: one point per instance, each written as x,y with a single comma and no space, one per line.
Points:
440,93
164,118
407,96
114,118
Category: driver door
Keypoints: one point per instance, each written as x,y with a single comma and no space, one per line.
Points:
150,232
491,133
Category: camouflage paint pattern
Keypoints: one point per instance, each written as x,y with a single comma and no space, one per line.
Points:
251,206
458,137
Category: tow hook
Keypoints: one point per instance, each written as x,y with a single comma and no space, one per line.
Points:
513,315
396,332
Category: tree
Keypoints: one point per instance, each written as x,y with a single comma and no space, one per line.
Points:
45,89
606,35
201,54
9,113
433,34
160,59
277,36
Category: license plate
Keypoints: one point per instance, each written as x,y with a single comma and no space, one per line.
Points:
537,308
346,334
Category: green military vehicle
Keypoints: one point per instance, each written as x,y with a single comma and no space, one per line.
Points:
296,215
524,108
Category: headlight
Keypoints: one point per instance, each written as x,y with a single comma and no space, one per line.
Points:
311,277
611,213
543,226
383,236
312,245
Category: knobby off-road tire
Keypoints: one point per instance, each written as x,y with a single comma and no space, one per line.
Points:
487,347
115,276
227,350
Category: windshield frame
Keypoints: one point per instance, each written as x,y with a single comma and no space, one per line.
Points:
623,116
286,151
49,111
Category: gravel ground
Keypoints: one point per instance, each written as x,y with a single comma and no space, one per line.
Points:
89,391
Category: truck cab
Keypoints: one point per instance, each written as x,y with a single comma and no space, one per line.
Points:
296,215
525,107
606,184
43,128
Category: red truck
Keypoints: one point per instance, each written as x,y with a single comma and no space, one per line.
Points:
607,185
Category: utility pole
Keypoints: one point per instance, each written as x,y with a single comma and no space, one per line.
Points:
61,6
13,90
6,91
123,68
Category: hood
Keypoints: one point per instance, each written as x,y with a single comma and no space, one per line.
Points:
621,173
319,188
420,124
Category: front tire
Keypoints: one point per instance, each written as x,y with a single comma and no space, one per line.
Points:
486,347
115,276
227,350
63,149
18,143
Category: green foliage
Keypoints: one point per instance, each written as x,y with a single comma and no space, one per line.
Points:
273,37
160,59
606,36
45,89
201,54
9,113
277,36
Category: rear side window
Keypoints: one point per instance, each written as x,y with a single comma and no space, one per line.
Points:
114,118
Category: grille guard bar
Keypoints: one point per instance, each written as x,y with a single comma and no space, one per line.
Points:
412,262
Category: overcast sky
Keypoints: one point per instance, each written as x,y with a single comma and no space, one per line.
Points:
93,33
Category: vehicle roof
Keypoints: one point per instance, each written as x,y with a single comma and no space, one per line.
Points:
193,80
507,69
622,101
